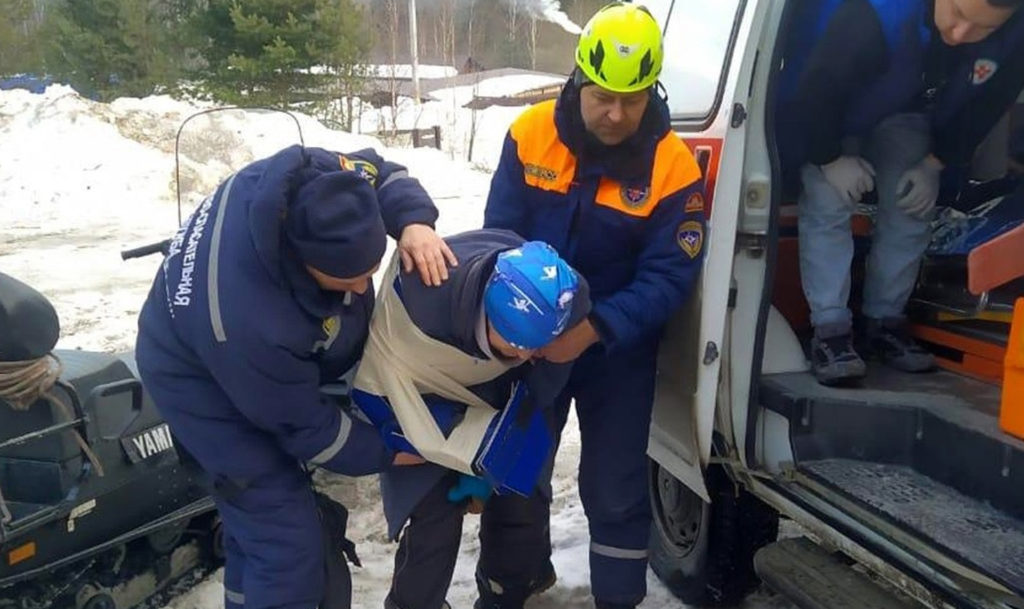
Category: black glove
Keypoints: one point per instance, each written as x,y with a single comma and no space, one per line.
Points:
334,517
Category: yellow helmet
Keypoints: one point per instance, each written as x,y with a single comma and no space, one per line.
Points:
620,48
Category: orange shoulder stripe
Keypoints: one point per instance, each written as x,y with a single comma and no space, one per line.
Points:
548,164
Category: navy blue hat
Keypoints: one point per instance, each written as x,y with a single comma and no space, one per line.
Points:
334,223
528,298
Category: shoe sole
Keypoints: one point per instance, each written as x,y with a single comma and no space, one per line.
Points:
541,589
548,584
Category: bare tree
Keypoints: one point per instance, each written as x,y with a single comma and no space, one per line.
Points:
513,19
533,42
391,7
473,120
469,29
446,13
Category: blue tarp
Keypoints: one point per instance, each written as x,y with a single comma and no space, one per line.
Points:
32,83
957,233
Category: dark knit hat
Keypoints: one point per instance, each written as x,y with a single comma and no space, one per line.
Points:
334,223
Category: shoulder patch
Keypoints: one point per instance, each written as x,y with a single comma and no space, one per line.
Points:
365,169
694,204
690,236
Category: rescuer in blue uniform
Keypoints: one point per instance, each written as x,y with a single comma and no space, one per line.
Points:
264,295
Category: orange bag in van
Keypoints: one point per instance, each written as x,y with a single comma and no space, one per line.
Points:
1011,414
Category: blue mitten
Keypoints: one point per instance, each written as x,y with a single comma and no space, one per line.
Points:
469,487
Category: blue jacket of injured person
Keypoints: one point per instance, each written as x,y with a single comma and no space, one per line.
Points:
452,317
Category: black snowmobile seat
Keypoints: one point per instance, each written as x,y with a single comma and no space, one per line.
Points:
83,371
29,326
43,470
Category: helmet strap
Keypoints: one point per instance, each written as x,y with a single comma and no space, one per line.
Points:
579,79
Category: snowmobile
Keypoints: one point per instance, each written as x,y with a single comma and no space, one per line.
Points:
93,493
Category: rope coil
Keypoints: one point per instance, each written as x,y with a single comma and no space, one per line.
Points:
24,383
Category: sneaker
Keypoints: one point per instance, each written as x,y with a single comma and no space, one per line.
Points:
890,341
835,361
490,599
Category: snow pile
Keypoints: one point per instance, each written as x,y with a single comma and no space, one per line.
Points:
80,181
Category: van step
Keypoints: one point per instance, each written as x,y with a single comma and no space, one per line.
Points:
990,540
813,578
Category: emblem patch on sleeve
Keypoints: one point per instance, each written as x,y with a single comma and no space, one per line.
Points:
984,70
694,204
365,169
690,237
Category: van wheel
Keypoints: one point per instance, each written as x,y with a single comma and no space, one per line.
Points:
704,553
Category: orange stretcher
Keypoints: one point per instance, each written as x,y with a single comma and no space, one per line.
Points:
1011,413
996,262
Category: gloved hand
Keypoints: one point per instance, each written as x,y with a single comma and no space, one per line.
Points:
852,176
477,490
918,188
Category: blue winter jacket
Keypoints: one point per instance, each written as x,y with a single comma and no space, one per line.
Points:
630,218
238,330
849,64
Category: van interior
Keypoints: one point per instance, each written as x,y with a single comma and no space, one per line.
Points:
937,457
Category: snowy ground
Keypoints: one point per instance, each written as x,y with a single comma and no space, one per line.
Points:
80,181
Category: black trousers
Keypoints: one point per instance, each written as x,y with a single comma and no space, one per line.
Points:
513,548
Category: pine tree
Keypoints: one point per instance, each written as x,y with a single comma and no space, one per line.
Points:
111,48
260,51
342,44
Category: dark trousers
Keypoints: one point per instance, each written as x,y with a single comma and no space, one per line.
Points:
614,397
429,546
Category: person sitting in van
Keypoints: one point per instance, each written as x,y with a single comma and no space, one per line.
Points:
448,373
865,85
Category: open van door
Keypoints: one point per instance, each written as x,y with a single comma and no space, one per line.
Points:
705,528
710,52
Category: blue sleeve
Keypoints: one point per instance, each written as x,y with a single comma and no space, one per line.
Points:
849,55
279,393
667,269
403,200
506,201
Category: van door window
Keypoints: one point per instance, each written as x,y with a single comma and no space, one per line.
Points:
698,42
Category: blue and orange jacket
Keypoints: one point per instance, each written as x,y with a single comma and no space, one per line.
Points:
630,218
